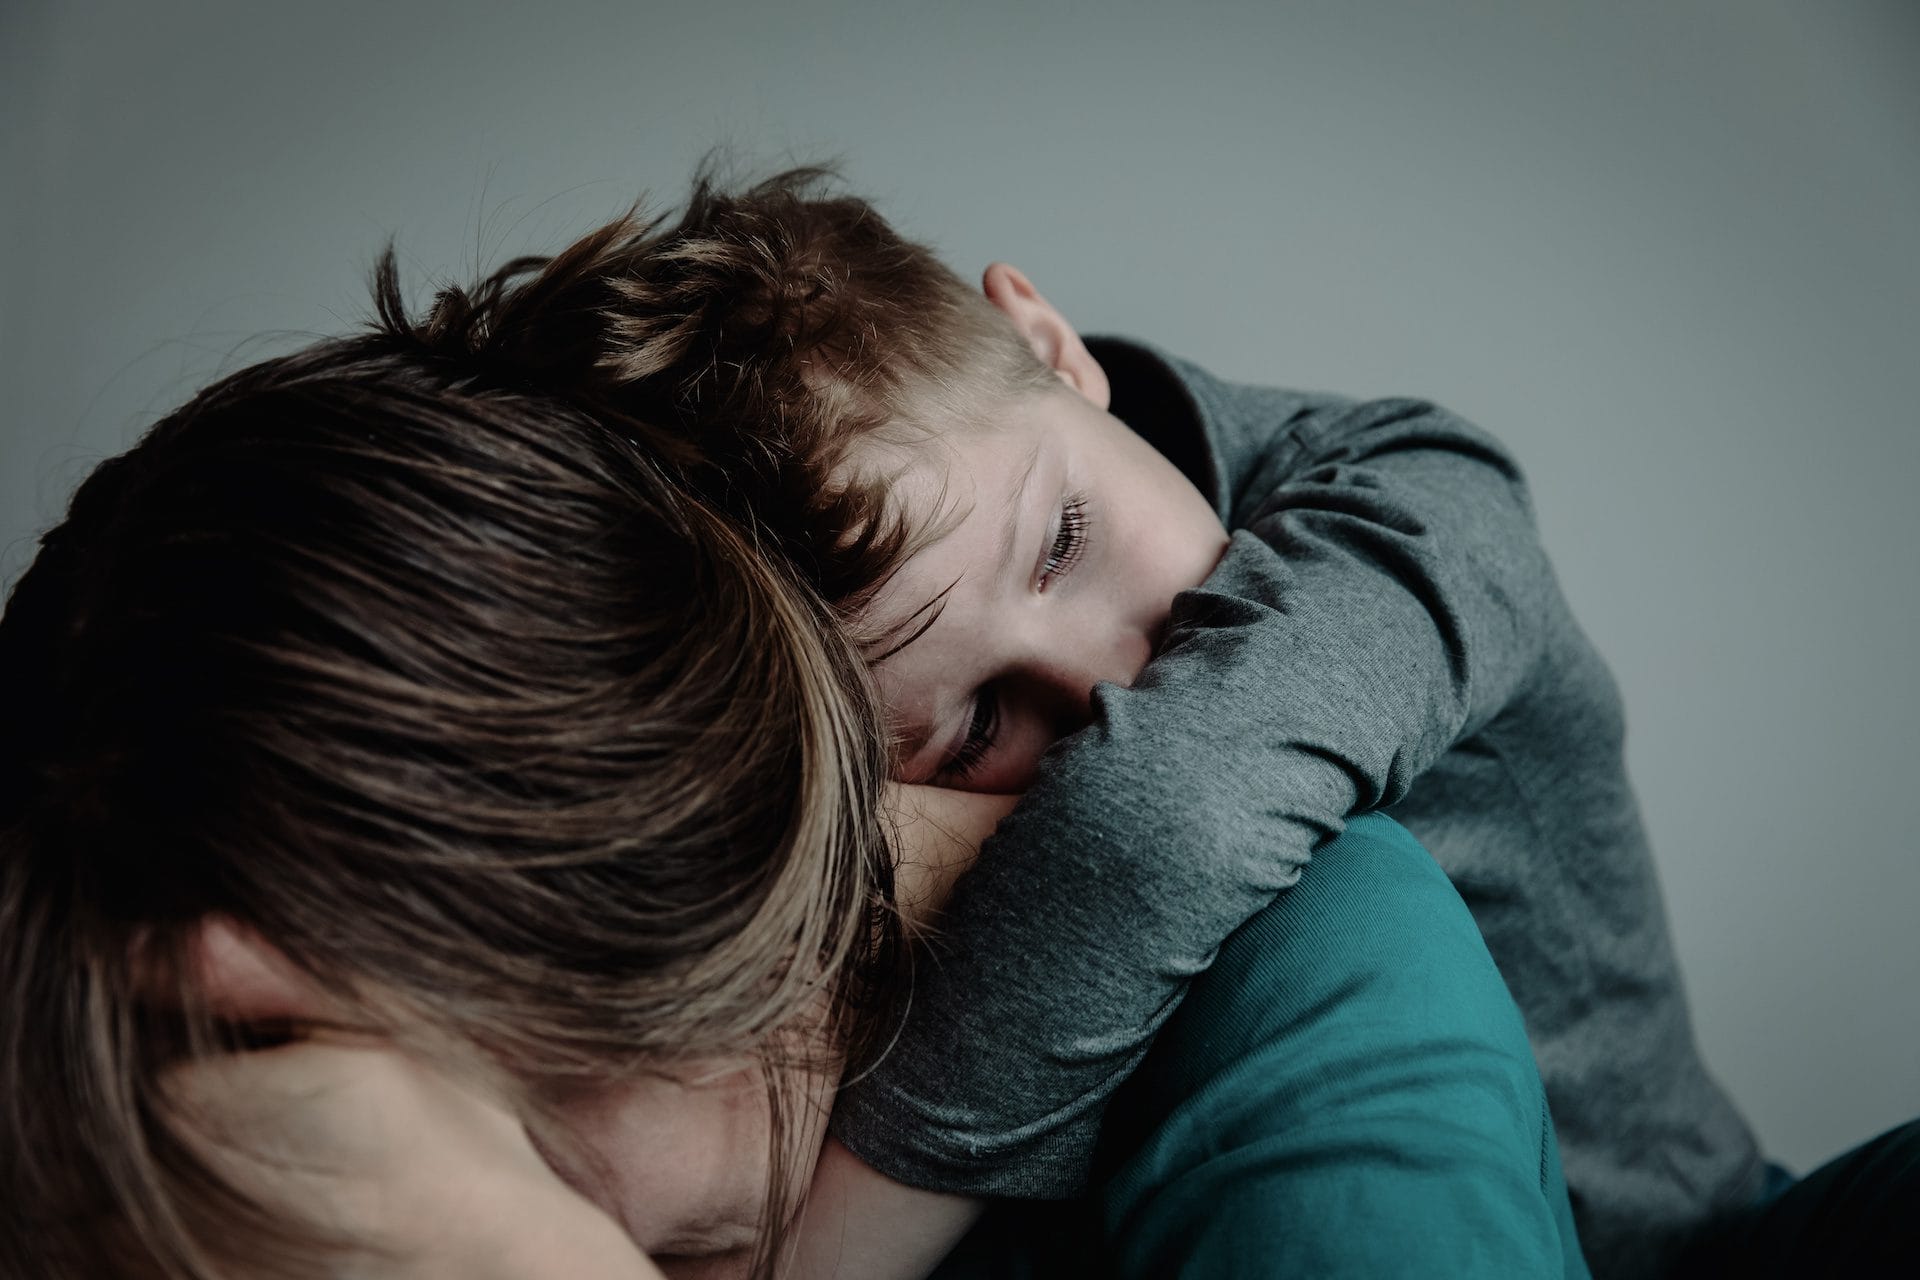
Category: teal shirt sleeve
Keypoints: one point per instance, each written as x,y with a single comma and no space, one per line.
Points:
1347,1092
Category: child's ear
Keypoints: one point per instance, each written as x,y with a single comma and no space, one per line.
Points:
1054,340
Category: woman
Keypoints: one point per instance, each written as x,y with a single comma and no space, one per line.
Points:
519,757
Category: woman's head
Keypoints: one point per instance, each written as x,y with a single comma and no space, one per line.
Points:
394,654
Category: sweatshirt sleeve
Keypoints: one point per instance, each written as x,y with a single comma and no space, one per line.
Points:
1379,602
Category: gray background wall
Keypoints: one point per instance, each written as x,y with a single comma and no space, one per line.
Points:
1669,250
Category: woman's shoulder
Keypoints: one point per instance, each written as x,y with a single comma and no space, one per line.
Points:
1349,1083
1372,947
1346,1091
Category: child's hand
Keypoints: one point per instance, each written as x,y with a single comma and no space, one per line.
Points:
937,834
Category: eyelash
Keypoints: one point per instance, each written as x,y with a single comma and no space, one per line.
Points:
1069,544
979,740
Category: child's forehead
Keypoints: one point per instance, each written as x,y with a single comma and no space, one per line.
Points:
951,491
949,483
960,514
976,451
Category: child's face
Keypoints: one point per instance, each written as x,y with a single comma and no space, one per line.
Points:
1073,535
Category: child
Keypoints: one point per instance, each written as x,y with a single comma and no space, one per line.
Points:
1032,532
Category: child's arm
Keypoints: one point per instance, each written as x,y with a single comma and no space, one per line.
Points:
1347,1092
1383,601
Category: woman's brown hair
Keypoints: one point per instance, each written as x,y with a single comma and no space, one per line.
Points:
431,671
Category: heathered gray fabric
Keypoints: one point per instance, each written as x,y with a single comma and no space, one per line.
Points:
1384,632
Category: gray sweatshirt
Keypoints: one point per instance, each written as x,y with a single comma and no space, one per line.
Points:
1384,632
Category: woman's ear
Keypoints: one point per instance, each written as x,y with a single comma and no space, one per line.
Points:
244,978
1055,341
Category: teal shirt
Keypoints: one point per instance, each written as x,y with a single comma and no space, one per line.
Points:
1347,1091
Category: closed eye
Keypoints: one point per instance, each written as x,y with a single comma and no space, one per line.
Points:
1069,541
981,727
